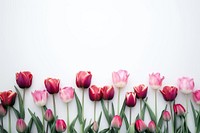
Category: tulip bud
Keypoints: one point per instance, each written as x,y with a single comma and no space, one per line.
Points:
140,126
2,111
152,127
95,126
155,80
48,116
179,109
120,78
131,99
196,96
166,116
60,125
116,122
20,126
141,91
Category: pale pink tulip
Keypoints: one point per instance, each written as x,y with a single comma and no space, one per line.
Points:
155,80
186,85
116,122
40,97
66,94
120,78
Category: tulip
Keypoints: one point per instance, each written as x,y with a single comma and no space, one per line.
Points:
141,91
196,96
48,116
107,92
120,78
179,109
40,97
2,111
131,99
166,116
66,94
24,79
140,126
116,122
52,85
169,93
95,93
83,79
95,126
152,127
60,125
186,85
155,80
21,126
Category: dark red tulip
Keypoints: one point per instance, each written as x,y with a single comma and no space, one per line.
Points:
8,98
24,79
83,79
141,91
52,85
179,109
169,93
107,92
95,93
140,126
131,99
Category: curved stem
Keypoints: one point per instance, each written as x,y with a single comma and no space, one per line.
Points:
43,119
156,104
95,110
68,123
9,120
130,115
140,108
170,105
118,104
186,122
54,105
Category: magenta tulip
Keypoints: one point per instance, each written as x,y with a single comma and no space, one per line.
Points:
48,116
21,126
196,96
8,98
131,99
60,125
116,122
141,91
120,78
3,111
66,94
155,80
107,92
95,93
40,97
24,79
152,127
179,109
169,93
52,85
140,126
166,116
83,79
186,85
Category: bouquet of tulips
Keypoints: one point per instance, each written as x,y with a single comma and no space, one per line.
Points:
50,122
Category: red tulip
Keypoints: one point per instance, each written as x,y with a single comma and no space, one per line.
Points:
169,93
95,93
152,127
48,116
60,125
20,126
107,92
155,80
24,79
83,79
196,96
116,122
166,116
120,78
131,99
52,85
140,126
141,91
3,111
8,98
179,109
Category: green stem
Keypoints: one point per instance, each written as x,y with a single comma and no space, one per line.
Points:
167,127
118,101
9,120
43,119
186,121
68,123
24,95
82,128
95,110
47,128
2,124
156,104
54,105
170,104
130,115
108,106
140,108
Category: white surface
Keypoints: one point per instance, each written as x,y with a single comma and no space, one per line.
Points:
59,38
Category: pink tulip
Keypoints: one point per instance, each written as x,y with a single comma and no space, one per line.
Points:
152,127
179,109
95,126
196,96
166,116
48,116
66,94
3,111
95,93
141,91
20,126
8,98
83,79
60,125
24,79
120,78
131,99
169,93
52,85
107,92
186,85
140,126
40,97
116,122
155,80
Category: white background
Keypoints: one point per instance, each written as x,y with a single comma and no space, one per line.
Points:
59,38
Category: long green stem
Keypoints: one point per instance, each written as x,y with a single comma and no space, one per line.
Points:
95,110
167,127
130,115
68,123
24,95
140,108
170,104
108,106
54,105
2,124
186,121
118,104
9,120
82,128
156,104
43,119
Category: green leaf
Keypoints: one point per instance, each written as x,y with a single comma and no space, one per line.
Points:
99,120
30,123
131,129
105,111
2,129
73,124
151,113
143,111
88,128
45,107
160,122
126,122
113,111
21,104
37,121
104,130
79,107
17,114
53,126
123,109
194,114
